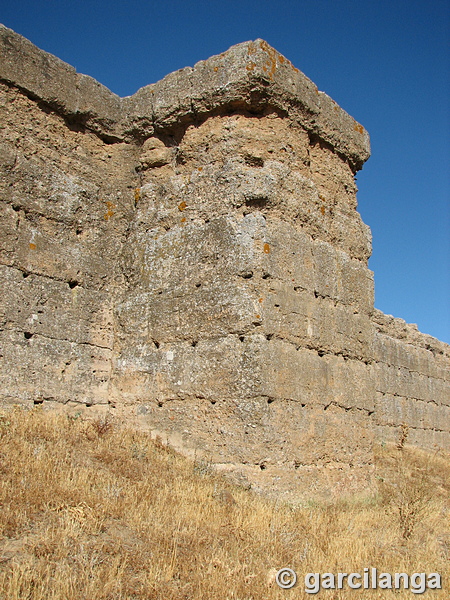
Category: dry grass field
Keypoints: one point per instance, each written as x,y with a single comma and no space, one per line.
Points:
90,510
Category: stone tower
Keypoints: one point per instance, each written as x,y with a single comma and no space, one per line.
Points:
194,253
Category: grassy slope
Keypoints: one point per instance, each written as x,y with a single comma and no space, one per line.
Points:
93,511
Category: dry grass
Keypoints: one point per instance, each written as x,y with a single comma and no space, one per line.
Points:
92,511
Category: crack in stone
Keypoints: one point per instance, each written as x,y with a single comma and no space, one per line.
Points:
56,339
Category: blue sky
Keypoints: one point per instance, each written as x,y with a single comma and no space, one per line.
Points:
387,63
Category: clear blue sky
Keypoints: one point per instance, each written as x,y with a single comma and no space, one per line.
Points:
386,62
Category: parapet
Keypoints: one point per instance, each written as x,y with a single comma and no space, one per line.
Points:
251,76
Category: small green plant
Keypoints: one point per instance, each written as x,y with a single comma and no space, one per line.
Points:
204,467
139,451
74,417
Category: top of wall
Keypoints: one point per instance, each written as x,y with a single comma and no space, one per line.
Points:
249,76
408,333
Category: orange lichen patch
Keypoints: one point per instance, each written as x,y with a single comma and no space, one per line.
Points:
271,64
183,220
250,66
266,248
274,59
200,168
257,316
322,210
182,205
251,50
32,246
216,69
359,128
109,213
137,195
260,300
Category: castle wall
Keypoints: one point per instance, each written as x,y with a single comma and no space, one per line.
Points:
412,376
194,254
65,201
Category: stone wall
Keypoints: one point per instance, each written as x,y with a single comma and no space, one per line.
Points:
194,254
411,372
67,198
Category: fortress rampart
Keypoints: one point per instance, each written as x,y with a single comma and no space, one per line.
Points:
193,253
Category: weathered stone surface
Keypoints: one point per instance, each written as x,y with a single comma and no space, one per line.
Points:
48,79
248,75
37,369
193,255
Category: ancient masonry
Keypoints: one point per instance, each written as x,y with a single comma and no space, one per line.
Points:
193,254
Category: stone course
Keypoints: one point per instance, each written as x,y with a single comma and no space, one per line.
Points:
193,255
